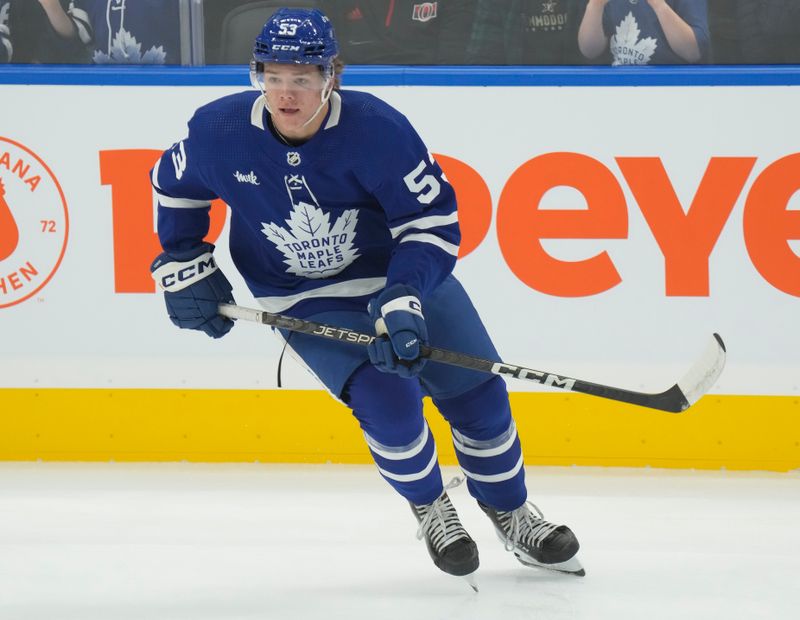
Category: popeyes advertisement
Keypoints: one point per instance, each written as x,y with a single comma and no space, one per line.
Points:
607,232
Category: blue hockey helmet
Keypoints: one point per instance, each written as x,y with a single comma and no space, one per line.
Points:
299,36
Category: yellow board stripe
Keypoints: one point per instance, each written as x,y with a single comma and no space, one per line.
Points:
307,426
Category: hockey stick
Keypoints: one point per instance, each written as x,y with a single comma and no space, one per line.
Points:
694,384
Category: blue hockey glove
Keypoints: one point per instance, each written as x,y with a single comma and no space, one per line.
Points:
193,288
400,328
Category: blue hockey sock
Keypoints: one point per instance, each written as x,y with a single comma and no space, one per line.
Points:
389,409
487,446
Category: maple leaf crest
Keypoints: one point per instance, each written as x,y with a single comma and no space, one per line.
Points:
311,246
125,49
627,48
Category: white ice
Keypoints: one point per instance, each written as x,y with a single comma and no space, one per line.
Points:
201,541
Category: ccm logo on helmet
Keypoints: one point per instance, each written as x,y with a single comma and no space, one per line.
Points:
286,48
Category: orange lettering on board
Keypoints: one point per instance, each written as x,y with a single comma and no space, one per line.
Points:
686,239
521,224
474,201
769,225
135,241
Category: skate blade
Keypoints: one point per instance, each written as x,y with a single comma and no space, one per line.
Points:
570,567
470,579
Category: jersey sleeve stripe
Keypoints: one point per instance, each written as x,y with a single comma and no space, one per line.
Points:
181,203
433,240
154,176
424,223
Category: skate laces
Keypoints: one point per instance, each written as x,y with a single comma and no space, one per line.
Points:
522,526
440,520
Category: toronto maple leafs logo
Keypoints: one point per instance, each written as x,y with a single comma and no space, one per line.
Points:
311,246
125,49
627,48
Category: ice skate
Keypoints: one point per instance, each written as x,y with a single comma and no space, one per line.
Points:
534,541
450,546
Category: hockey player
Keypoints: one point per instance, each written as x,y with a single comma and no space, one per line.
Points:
340,215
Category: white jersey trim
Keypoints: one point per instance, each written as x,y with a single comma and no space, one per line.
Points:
349,288
336,110
257,112
155,173
180,203
433,240
426,222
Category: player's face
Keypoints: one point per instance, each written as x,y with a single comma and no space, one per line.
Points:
294,94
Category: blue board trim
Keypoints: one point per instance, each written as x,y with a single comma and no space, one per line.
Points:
385,75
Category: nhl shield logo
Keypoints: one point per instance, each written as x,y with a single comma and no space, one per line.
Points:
293,158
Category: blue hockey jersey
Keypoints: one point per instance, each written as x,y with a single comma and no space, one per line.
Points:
321,226
636,37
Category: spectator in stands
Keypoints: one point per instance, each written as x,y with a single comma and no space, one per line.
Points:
6,49
646,32
143,32
525,32
405,32
41,31
769,31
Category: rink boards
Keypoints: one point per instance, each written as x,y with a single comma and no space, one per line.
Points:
307,426
608,231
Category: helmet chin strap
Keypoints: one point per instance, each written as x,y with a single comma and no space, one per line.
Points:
325,94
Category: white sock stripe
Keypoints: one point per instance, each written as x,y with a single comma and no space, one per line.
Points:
488,447
506,475
486,452
402,452
411,477
408,303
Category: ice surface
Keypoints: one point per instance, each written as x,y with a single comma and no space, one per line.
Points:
194,541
